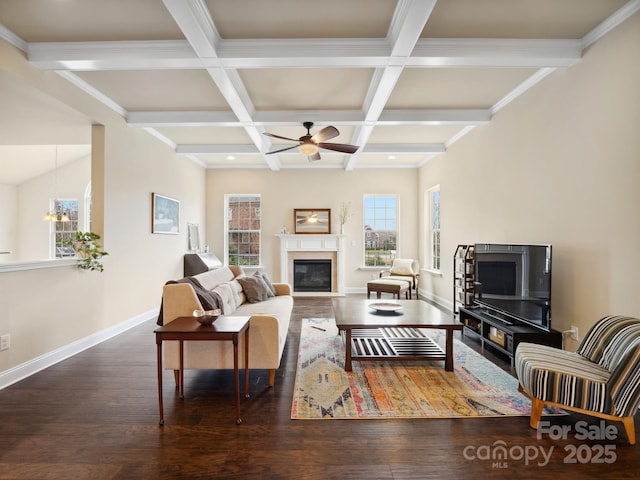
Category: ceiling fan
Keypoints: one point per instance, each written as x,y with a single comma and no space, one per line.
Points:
309,144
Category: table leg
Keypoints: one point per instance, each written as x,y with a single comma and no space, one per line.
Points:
181,372
236,378
448,363
246,363
347,350
159,343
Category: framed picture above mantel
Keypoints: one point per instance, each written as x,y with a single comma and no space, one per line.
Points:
165,214
312,220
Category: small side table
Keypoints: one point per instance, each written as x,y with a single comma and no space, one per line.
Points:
189,329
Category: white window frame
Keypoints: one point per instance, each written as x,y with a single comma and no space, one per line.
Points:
394,253
433,238
68,234
228,217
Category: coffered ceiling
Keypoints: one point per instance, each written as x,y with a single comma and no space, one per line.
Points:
402,79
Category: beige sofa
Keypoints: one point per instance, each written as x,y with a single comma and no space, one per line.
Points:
269,323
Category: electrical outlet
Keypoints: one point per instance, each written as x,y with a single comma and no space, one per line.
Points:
574,333
5,342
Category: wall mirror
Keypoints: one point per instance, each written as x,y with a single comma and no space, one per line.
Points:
193,230
312,220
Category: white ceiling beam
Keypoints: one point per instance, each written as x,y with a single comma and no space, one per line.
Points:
319,117
194,19
192,16
407,24
369,53
434,117
408,21
402,148
121,55
488,52
245,149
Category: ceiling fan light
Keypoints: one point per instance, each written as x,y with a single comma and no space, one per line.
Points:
308,149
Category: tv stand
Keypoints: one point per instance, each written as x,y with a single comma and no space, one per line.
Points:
502,334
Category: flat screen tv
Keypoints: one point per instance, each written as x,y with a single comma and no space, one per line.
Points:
513,282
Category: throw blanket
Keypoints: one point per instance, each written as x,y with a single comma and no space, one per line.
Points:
208,299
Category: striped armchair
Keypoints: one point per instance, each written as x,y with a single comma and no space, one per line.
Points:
602,378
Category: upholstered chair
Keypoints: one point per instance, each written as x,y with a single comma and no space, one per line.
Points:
601,378
406,269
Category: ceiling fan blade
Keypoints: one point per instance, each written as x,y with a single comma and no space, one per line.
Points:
282,149
281,138
327,133
339,147
314,157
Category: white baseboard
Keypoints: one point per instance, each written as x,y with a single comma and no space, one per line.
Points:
24,370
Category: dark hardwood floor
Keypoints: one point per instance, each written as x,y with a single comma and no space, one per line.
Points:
95,416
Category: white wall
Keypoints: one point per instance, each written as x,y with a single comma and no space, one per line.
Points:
34,196
8,219
559,165
284,190
50,308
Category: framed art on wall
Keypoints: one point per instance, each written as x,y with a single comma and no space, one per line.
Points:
312,220
165,214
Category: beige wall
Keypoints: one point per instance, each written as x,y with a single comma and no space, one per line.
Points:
48,309
8,221
285,190
559,165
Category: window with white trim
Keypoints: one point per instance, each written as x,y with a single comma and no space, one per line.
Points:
242,229
380,229
433,221
63,233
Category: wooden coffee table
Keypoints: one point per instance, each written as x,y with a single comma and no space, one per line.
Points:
386,335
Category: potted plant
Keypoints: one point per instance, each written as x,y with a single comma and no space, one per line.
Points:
88,250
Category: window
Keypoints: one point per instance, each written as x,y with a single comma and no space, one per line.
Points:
434,227
243,229
380,229
63,233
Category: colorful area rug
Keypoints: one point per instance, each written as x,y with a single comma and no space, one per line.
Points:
407,389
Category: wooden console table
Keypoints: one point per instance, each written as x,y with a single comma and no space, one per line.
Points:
189,329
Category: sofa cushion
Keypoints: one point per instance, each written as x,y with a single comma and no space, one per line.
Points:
271,292
226,293
212,278
563,377
255,288
402,266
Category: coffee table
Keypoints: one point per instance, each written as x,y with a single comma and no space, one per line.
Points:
388,334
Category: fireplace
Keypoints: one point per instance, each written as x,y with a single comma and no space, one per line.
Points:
312,275
328,247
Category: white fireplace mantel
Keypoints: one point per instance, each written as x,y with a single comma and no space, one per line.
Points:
313,243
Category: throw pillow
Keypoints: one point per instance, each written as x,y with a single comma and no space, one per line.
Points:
272,291
254,288
402,266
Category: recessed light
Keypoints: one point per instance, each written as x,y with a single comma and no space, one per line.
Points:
391,157
231,157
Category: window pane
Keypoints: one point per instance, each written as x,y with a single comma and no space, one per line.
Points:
243,229
64,232
434,228
380,229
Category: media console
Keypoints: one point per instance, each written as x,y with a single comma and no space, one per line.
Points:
503,334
